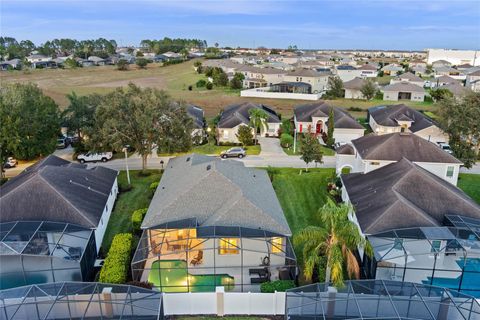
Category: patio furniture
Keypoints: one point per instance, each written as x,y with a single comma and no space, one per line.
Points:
198,258
258,280
75,252
262,272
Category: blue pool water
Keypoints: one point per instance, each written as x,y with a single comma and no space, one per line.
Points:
470,281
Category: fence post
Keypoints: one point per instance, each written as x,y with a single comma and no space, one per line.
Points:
107,302
220,295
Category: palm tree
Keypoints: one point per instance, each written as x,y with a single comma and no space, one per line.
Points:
258,119
337,239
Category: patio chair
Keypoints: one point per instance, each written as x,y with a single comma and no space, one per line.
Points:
198,259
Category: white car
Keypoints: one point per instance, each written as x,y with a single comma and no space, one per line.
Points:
92,156
445,147
10,163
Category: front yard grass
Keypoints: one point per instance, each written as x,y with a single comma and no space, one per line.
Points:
470,184
212,149
326,151
127,202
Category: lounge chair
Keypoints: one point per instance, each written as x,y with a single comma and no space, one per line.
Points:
198,259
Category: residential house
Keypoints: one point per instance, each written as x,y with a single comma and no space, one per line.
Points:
261,77
347,73
456,89
392,69
449,71
403,91
237,115
401,118
368,71
34,58
211,223
444,80
313,118
440,64
408,77
473,81
198,117
464,67
53,219
172,55
353,88
97,60
318,81
373,151
419,70
11,64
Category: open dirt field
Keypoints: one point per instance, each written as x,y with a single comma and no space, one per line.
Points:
175,79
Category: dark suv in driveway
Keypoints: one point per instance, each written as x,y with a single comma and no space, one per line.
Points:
236,152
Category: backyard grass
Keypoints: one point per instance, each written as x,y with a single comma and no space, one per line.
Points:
470,184
127,202
213,149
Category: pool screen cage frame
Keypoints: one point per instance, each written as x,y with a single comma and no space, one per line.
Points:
396,252
45,251
378,299
270,258
80,300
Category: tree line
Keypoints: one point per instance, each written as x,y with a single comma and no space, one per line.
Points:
174,45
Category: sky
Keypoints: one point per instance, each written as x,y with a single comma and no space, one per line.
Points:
314,24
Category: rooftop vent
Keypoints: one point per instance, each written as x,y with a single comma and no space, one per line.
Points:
188,159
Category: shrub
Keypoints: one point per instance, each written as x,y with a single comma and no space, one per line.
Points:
209,86
379,95
201,83
190,88
137,218
277,285
141,284
428,99
115,268
357,109
141,62
154,185
286,140
122,65
124,188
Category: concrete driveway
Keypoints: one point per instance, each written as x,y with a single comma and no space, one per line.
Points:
271,147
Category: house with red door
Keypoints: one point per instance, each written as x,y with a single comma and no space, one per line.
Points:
313,118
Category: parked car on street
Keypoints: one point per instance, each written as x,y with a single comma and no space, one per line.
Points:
236,152
445,147
94,157
62,143
10,163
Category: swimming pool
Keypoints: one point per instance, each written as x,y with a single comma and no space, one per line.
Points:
470,281
172,276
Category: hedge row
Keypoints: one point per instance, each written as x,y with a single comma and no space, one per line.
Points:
115,267
278,285
137,218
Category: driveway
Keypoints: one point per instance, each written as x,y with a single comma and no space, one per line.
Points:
271,147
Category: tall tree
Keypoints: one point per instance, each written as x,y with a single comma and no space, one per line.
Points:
139,118
331,128
335,88
459,117
79,116
258,120
29,122
368,89
245,135
337,240
311,150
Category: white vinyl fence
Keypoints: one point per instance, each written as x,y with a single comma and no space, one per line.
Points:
224,303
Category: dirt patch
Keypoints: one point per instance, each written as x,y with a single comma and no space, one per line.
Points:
153,82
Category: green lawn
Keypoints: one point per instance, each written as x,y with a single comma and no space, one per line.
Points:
326,151
127,202
470,184
213,149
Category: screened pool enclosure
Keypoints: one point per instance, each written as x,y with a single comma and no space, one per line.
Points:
180,257
41,251
80,300
379,299
442,256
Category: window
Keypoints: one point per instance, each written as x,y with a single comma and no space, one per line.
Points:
450,171
436,246
228,246
277,244
225,134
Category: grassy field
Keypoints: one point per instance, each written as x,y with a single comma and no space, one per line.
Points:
470,184
127,202
175,79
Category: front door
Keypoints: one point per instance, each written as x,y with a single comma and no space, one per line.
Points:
319,127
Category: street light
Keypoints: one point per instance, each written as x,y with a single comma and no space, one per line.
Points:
125,149
161,163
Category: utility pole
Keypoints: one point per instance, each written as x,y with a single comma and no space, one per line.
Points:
125,149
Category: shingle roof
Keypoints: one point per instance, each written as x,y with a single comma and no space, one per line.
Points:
409,76
455,88
403,87
196,113
395,146
402,195
236,114
389,115
306,73
342,119
346,149
354,84
367,67
446,79
216,193
57,190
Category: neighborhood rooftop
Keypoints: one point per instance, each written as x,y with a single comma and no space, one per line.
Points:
305,113
216,193
236,114
390,115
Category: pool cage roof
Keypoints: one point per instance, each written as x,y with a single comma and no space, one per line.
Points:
464,223
379,299
80,300
43,238
461,239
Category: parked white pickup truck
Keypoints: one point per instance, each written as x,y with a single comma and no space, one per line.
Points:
94,157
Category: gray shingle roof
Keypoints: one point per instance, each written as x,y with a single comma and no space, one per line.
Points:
455,88
403,87
389,115
196,113
57,190
409,76
355,84
236,114
306,73
342,119
216,193
395,146
402,195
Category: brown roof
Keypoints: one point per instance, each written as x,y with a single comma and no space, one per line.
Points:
409,76
354,84
402,195
367,67
395,146
403,87
446,79
455,88
345,149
